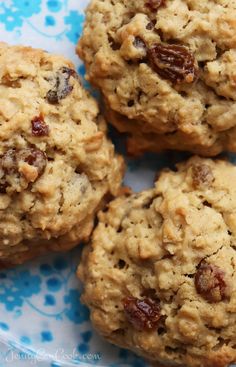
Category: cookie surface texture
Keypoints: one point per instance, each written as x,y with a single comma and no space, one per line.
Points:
56,165
160,273
166,69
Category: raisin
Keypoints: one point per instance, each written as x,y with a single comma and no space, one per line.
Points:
61,88
143,314
139,43
173,62
113,43
154,4
3,187
39,128
151,25
10,165
7,167
210,282
52,96
150,293
202,175
34,157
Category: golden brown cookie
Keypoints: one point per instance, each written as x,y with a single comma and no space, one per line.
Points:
57,168
166,69
160,273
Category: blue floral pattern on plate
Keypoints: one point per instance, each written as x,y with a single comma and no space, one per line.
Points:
42,321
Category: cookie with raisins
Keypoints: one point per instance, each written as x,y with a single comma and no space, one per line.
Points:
166,69
160,273
57,167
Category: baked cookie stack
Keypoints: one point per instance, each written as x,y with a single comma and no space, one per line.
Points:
166,69
160,271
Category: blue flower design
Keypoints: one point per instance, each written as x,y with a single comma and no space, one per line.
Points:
46,269
50,21
86,336
54,284
11,299
25,340
11,19
83,348
27,7
76,312
13,16
49,300
55,364
27,283
54,5
4,326
46,336
75,21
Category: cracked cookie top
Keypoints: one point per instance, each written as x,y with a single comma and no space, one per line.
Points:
56,164
160,272
167,68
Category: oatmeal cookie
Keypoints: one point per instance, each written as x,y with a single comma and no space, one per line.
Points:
160,273
56,165
167,71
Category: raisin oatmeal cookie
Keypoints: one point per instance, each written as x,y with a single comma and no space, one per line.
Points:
167,71
56,165
160,273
